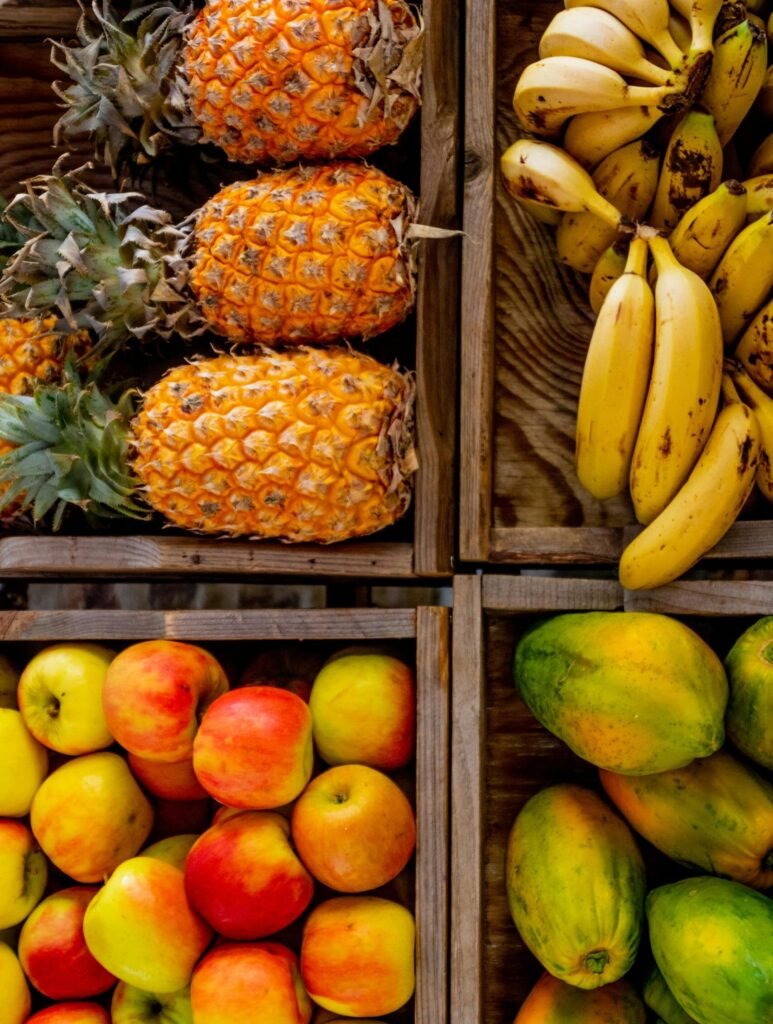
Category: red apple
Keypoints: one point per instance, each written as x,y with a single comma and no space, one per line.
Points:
155,694
254,748
171,780
71,1013
249,983
244,878
23,872
53,951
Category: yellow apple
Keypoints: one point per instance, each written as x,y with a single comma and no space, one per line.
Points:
132,1005
60,697
89,815
15,1003
23,872
9,680
23,765
173,850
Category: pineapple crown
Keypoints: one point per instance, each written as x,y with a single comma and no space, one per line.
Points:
72,448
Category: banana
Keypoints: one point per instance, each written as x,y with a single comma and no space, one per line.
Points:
764,104
592,137
744,277
680,30
544,214
760,192
704,232
762,405
648,19
628,179
691,169
684,388
703,510
762,160
547,175
701,15
615,378
594,34
736,77
610,267
755,349
552,90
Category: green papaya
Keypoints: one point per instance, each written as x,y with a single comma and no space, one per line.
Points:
713,942
633,692
575,886
554,1002
715,814
659,997
750,708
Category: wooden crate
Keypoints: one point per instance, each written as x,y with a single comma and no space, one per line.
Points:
525,327
427,159
423,636
501,756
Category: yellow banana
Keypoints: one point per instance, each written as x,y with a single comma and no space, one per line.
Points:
594,34
592,137
760,192
684,388
648,19
547,175
615,378
762,404
704,232
680,30
610,267
764,104
744,277
762,160
701,16
552,90
703,510
755,349
691,169
736,77
628,179
543,214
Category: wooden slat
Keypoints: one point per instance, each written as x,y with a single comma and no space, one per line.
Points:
556,545
549,593
477,317
705,597
41,18
467,805
432,813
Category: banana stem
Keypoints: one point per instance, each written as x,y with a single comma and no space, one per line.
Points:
729,391
667,46
637,257
662,253
748,388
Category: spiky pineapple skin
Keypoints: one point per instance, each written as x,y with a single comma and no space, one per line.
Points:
304,445
30,353
279,80
307,254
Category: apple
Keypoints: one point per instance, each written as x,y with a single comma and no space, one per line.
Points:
23,872
142,928
353,828
173,850
23,765
254,748
357,956
363,707
53,952
249,983
89,815
60,697
9,681
244,878
16,1003
171,780
71,1013
155,694
132,1005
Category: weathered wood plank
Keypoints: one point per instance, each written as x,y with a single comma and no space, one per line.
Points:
549,593
19,18
705,597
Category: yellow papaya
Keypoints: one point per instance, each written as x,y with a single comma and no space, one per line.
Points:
659,997
633,692
575,886
750,709
715,815
553,1002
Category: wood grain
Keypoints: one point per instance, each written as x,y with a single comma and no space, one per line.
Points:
717,598
19,18
549,593
433,678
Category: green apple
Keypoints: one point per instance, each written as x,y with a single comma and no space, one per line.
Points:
9,680
173,850
60,697
23,765
16,1004
23,872
134,1006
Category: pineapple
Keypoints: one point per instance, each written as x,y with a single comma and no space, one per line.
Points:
308,254
268,81
305,445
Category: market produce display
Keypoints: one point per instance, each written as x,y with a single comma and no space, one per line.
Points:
118,907
585,890
644,143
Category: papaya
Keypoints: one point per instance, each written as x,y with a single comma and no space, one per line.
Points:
713,942
660,999
633,692
750,708
554,1002
575,886
715,815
